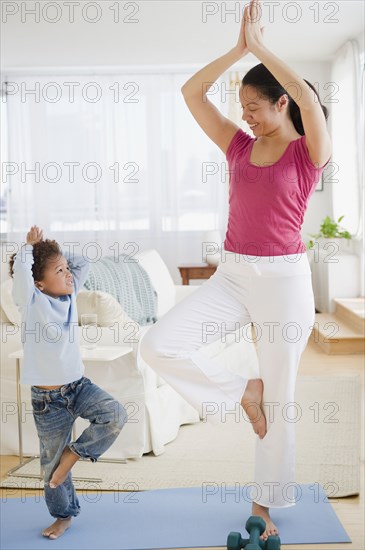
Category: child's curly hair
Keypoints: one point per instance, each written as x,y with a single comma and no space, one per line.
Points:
42,252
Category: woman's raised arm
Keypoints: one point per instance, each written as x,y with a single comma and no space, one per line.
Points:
318,140
217,127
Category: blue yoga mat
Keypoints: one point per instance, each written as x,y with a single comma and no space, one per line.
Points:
167,518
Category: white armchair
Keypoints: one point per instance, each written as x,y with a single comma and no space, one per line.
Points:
155,410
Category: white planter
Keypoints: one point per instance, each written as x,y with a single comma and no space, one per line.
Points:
335,272
334,245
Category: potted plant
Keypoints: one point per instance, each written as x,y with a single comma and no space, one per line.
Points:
329,229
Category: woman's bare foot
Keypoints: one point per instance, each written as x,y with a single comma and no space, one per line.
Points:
251,403
262,511
57,528
68,459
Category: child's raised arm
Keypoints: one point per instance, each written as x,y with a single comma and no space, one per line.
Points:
79,267
23,282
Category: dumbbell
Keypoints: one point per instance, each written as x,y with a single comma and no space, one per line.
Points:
255,525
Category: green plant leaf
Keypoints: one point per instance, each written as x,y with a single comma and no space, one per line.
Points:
331,229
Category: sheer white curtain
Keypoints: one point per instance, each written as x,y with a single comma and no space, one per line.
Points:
112,159
4,189
347,137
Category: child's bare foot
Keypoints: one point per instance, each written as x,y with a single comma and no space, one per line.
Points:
251,402
57,528
262,511
68,459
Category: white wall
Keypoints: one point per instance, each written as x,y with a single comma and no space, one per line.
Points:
172,32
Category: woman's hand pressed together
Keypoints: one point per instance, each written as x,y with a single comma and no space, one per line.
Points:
251,26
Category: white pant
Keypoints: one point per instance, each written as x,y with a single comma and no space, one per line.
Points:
273,292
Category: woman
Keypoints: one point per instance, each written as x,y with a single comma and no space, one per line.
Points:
264,275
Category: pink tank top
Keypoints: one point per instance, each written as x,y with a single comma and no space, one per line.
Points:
267,203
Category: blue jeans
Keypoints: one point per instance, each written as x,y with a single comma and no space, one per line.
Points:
54,413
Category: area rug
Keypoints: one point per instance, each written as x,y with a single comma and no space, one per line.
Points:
328,444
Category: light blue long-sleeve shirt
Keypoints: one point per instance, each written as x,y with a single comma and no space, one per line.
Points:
49,330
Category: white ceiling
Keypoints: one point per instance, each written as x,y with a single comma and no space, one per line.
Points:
175,32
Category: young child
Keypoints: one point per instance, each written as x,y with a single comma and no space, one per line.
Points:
45,284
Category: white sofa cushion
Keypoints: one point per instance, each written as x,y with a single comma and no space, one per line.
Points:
108,310
3,317
161,279
8,305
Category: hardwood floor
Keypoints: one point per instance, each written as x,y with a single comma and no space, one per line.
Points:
350,510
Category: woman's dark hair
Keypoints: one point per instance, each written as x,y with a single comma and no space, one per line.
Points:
269,88
42,252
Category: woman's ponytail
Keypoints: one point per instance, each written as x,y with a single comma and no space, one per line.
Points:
294,111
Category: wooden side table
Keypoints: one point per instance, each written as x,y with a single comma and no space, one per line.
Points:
196,271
